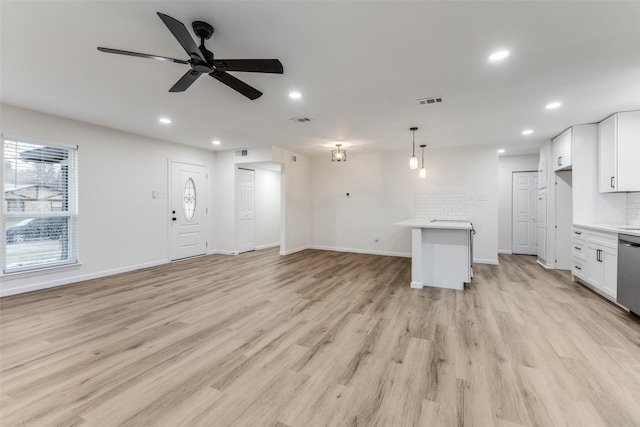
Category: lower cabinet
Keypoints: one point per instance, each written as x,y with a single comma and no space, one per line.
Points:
599,265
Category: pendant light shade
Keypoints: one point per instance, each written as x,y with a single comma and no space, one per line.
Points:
339,155
413,161
423,171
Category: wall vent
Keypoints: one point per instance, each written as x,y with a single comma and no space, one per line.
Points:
242,153
300,119
429,101
294,158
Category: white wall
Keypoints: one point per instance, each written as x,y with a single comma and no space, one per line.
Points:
268,187
121,227
506,166
296,202
381,189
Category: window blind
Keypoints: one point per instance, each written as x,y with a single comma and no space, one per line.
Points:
40,205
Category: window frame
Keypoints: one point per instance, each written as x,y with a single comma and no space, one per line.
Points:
72,212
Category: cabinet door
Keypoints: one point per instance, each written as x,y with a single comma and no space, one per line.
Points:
628,151
610,271
562,150
607,170
542,242
594,268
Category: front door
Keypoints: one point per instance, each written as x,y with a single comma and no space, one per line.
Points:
246,185
524,215
188,210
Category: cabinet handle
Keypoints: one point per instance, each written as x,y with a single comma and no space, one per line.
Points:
613,182
560,161
577,248
577,232
577,268
599,255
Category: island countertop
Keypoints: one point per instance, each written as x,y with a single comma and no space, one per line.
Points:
427,223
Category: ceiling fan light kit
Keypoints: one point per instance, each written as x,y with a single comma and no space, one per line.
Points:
202,60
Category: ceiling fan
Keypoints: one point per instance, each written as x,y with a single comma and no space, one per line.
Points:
202,60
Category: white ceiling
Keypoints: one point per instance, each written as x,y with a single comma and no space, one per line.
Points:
360,67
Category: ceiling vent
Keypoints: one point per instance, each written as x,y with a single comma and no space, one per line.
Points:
429,101
300,119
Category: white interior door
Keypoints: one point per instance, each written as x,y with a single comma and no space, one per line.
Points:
246,194
188,215
524,213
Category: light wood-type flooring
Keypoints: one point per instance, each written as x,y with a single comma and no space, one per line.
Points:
318,338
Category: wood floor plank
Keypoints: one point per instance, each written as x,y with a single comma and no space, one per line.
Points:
318,338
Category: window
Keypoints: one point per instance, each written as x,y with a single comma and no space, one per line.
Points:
40,205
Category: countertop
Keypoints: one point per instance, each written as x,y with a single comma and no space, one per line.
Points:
633,230
427,223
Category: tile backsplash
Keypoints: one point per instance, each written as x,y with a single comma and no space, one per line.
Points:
441,205
633,208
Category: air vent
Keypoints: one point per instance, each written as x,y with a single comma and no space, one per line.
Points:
294,158
429,101
242,153
300,119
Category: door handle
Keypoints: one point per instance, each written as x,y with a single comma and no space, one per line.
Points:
560,161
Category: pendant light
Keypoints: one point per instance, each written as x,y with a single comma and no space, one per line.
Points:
339,155
413,161
423,171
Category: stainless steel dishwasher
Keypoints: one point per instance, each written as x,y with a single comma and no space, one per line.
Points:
629,272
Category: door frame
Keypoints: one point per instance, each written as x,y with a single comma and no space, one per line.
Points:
533,205
237,205
168,195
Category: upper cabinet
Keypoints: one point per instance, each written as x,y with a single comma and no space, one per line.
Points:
618,152
562,147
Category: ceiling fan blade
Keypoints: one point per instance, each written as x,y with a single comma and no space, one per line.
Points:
141,55
250,65
236,84
186,81
181,34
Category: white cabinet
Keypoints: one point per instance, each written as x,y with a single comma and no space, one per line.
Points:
618,152
562,150
600,268
578,252
541,227
542,174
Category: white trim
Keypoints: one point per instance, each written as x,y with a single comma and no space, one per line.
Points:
547,266
221,252
267,246
70,280
485,261
292,251
505,251
29,140
361,251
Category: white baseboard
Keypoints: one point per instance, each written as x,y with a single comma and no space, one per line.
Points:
268,246
293,251
221,252
505,251
75,279
361,251
485,261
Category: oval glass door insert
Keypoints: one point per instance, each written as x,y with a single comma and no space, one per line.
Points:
189,203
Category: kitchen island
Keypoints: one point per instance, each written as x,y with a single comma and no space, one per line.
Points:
441,253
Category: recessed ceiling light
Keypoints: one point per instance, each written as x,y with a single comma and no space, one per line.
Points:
295,95
527,132
497,56
500,150
215,142
553,105
164,120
